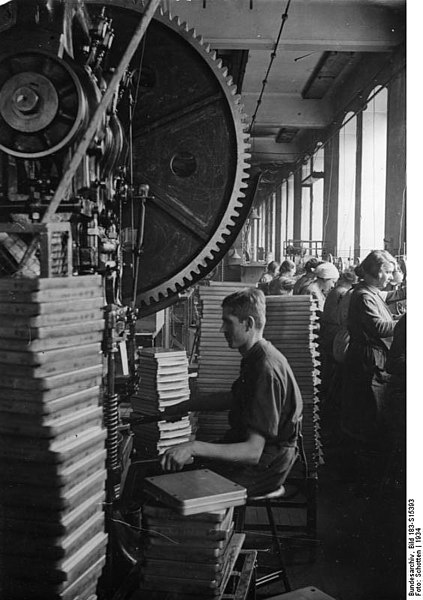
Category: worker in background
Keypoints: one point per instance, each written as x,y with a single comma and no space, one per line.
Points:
324,278
284,282
265,406
329,324
267,277
371,327
331,368
307,276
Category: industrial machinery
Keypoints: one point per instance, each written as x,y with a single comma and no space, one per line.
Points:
124,160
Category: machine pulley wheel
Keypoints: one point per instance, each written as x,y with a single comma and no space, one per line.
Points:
42,104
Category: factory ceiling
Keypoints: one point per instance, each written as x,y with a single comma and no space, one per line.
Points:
294,62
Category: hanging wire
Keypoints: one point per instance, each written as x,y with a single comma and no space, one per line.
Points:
272,58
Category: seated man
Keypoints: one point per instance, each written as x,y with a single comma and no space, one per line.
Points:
265,406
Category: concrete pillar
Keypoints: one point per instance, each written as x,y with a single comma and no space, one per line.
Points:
278,223
297,204
330,195
395,231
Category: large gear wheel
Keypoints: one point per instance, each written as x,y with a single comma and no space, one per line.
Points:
190,147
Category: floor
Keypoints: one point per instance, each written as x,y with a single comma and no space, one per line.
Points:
360,542
359,550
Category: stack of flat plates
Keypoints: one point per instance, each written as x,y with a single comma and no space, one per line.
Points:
190,554
192,492
290,326
190,545
291,323
218,365
164,382
52,442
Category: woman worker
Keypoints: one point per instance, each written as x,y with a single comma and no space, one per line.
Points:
371,327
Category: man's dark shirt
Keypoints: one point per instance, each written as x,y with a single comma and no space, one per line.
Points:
266,399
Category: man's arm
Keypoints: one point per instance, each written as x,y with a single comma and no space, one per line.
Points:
215,401
248,452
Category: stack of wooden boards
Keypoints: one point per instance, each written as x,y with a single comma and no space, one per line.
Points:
163,383
291,323
218,365
52,442
290,326
190,546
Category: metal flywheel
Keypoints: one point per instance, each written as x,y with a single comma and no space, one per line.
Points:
190,147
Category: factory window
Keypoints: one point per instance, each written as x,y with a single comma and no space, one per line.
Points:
272,247
306,213
284,215
373,175
347,187
290,208
306,200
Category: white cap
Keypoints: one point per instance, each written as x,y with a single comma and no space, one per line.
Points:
326,270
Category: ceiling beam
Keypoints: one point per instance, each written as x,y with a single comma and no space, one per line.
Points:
267,150
320,25
283,110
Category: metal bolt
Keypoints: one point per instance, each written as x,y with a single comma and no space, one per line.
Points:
25,99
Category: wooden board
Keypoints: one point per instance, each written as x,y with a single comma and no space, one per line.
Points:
192,492
29,473
41,413
13,284
66,452
53,382
48,523
31,498
73,338
207,587
24,544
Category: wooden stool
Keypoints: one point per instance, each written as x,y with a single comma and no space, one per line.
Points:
266,501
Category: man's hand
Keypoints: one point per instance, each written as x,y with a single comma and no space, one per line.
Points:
175,458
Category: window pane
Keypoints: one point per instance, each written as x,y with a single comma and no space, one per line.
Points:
305,213
284,215
346,197
290,215
373,181
317,220
273,213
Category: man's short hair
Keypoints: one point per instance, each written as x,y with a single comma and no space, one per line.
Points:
250,302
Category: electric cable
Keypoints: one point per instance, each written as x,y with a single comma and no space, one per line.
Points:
272,58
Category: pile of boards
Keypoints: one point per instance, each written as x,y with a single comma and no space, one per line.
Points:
291,326
163,383
52,441
291,323
189,544
218,365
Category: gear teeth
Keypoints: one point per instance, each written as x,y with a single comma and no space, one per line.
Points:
222,237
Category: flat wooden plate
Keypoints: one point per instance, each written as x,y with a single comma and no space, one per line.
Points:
196,491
